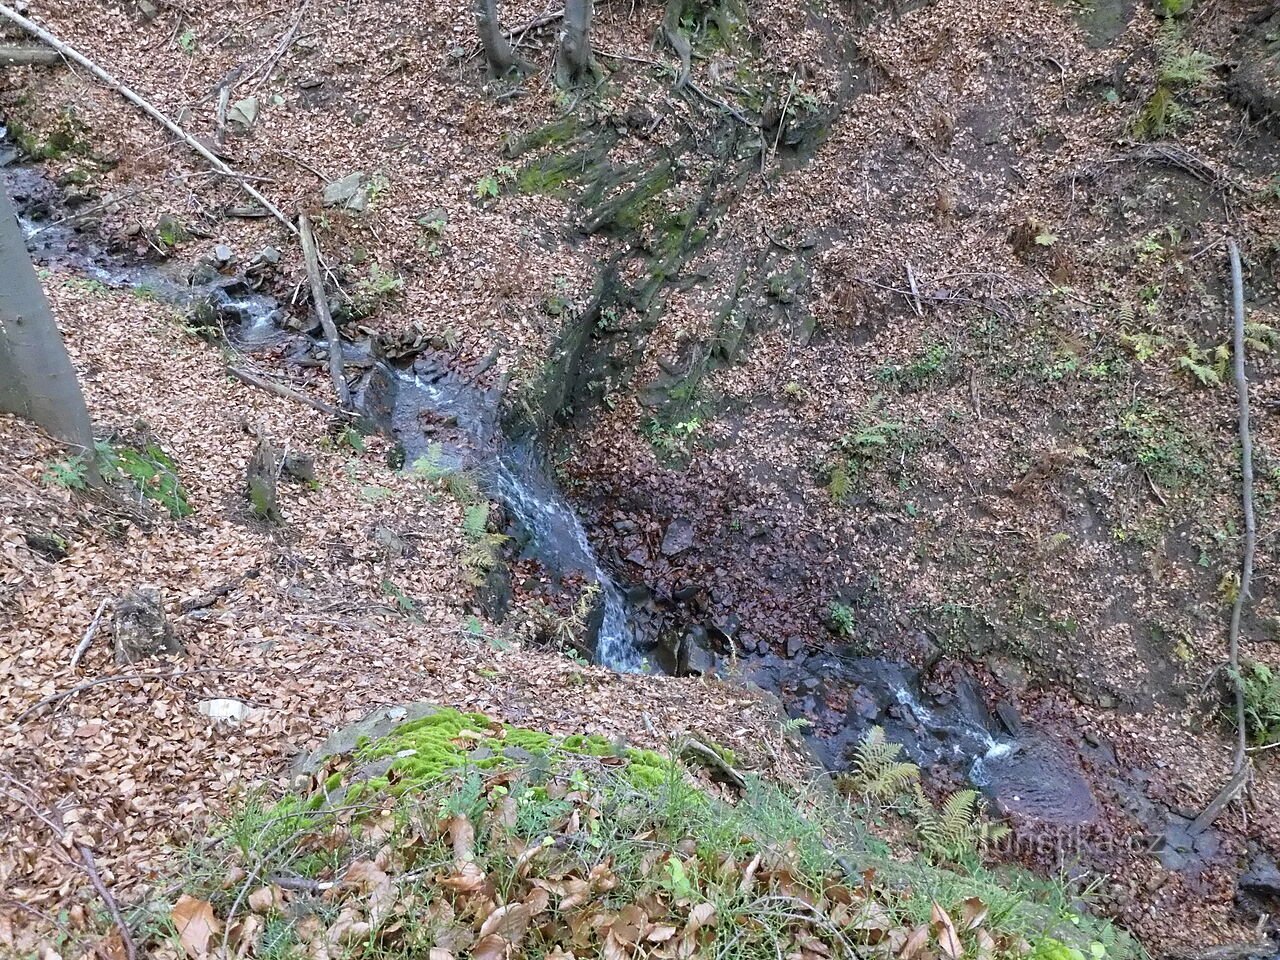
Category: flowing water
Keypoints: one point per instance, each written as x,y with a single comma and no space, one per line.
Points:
434,411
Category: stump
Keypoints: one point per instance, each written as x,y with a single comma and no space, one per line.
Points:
261,479
141,628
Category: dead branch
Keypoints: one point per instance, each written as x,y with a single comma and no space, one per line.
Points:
53,821
1246,495
56,698
1241,765
320,300
280,390
281,49
145,106
692,749
28,57
218,592
83,646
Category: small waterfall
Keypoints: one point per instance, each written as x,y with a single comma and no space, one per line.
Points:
511,471
559,539
973,741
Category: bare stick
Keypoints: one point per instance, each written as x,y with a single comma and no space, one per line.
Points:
321,301
53,821
280,390
915,290
56,698
1246,496
91,868
286,42
83,646
145,106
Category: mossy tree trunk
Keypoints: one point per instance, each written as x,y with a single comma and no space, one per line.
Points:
37,380
574,62
497,51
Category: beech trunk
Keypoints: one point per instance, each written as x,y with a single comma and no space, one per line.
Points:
37,380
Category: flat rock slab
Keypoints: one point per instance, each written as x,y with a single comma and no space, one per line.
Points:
373,725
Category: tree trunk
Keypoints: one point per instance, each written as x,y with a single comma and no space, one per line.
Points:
37,380
497,51
574,59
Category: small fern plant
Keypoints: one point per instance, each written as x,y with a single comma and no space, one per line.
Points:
959,829
876,772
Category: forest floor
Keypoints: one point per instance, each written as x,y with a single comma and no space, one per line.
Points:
977,403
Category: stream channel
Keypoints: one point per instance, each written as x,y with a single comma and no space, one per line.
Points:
435,411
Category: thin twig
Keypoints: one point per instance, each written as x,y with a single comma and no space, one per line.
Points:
55,698
915,290
145,106
281,49
83,646
320,300
53,821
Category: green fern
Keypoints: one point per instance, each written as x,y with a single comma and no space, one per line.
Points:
876,771
475,520
959,829
839,483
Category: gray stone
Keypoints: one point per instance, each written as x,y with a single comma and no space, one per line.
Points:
373,725
223,255
678,537
350,192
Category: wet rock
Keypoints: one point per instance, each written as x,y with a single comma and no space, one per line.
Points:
678,537
696,657
141,628
1007,714
685,592
1261,877
223,255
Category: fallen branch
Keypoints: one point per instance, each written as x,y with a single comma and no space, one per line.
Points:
1235,786
217,593
281,49
320,300
695,750
1246,496
53,821
1240,765
28,57
280,390
55,698
145,106
83,646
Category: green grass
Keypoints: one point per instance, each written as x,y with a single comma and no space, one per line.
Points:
489,840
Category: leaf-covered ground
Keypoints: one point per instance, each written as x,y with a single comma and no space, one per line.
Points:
1026,463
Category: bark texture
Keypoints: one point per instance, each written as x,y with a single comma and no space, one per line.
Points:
574,61
37,380
497,51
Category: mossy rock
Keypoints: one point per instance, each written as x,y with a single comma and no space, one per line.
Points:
400,749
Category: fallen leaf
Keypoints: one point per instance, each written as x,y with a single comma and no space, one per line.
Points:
944,929
508,922
916,941
490,948
973,911
660,933
463,837
195,923
265,899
